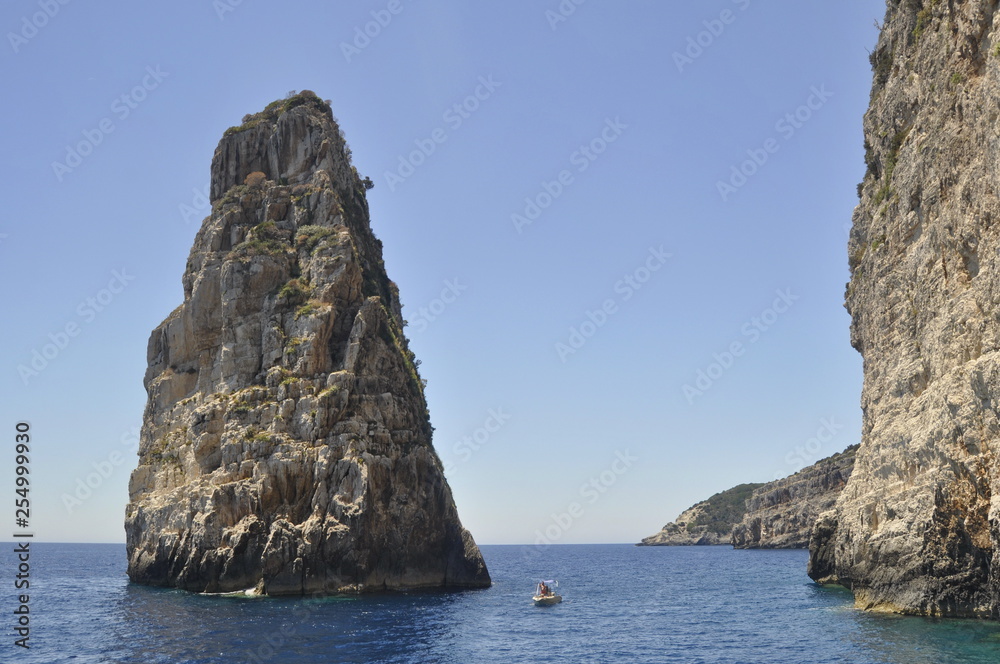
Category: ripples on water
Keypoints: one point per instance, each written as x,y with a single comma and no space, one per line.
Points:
621,604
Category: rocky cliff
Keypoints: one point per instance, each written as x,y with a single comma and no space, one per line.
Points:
705,523
775,515
917,528
286,443
781,514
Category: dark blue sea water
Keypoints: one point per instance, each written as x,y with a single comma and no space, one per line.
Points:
622,604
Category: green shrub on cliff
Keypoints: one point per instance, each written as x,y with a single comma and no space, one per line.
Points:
295,292
277,108
311,236
724,509
264,239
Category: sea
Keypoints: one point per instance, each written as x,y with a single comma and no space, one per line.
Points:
621,603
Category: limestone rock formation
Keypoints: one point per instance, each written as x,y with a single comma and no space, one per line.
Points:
781,514
775,515
707,522
917,528
286,443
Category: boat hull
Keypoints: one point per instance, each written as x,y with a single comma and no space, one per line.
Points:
548,600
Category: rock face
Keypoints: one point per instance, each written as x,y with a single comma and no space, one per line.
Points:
705,523
917,528
776,515
781,514
286,443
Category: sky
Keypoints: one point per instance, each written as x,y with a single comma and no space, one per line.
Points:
618,229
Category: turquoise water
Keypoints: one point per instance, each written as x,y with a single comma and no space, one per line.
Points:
621,604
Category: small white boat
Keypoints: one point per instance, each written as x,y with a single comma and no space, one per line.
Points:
544,595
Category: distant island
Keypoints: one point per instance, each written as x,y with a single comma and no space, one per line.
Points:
775,515
706,523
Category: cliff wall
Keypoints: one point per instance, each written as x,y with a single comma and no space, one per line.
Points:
917,527
781,514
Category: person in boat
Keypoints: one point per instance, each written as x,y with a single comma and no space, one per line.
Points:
543,590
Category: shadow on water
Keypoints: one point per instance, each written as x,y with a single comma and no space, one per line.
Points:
160,625
912,639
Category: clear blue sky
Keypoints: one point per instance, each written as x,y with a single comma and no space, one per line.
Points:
595,119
